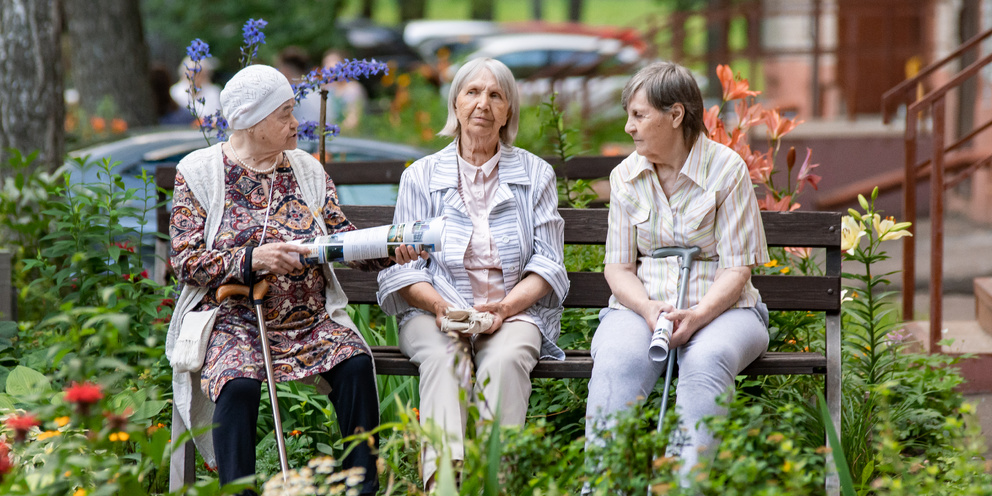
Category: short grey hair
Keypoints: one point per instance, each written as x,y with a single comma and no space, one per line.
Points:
506,82
665,84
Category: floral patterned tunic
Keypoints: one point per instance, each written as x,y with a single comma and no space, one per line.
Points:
303,338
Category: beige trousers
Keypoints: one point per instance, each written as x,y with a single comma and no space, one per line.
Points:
502,362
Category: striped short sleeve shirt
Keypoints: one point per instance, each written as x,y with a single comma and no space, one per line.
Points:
713,206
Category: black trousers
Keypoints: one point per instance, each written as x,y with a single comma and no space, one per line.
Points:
353,394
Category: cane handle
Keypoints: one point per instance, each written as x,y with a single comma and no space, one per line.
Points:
228,290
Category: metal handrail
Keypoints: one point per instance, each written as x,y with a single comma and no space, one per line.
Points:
936,102
903,89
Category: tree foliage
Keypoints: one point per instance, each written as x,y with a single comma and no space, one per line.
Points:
309,24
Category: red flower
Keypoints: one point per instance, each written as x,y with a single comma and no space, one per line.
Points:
21,424
83,395
5,464
125,246
209,468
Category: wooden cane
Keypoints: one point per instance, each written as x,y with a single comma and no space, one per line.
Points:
261,288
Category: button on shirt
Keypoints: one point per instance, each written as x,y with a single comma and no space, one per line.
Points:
712,206
477,186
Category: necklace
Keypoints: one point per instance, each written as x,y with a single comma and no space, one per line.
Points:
246,166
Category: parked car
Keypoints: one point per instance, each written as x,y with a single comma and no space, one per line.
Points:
150,149
427,37
588,70
368,40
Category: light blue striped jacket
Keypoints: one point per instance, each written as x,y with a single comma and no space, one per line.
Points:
525,225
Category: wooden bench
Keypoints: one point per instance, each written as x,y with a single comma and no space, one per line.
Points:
590,290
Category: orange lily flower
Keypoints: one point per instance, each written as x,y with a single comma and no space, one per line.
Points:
779,126
711,119
769,203
733,88
748,115
759,167
805,176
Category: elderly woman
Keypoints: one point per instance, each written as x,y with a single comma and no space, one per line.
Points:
502,256
236,205
678,188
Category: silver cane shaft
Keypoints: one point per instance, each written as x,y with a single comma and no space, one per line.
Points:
271,381
687,256
255,295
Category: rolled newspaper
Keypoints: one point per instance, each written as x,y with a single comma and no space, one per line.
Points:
374,242
662,336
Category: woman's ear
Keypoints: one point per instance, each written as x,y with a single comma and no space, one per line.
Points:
678,113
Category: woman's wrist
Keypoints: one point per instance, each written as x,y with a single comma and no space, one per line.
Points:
440,308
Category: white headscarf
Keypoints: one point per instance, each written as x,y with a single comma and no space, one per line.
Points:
252,94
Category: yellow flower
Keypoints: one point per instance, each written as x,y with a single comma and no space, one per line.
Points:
850,233
888,229
771,264
79,492
119,436
785,270
787,466
62,421
48,434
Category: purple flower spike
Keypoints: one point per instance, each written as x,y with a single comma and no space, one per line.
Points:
348,70
197,51
254,37
308,130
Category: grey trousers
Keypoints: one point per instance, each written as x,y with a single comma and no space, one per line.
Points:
708,363
502,362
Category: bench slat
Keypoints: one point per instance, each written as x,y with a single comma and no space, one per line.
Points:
589,225
812,293
578,364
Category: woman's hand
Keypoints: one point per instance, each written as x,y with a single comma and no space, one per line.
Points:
686,323
405,254
440,309
651,311
278,258
499,314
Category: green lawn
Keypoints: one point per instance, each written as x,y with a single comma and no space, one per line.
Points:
632,13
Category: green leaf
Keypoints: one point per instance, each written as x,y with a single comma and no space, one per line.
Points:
23,382
6,403
836,450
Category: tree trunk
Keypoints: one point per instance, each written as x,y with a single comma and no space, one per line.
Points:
717,26
575,10
368,9
482,10
110,58
536,9
412,9
32,109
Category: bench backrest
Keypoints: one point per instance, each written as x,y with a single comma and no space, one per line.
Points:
589,226
590,290
388,172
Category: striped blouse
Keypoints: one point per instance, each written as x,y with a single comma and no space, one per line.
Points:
713,206
524,225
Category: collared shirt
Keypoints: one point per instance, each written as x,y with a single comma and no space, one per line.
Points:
524,224
712,206
477,187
